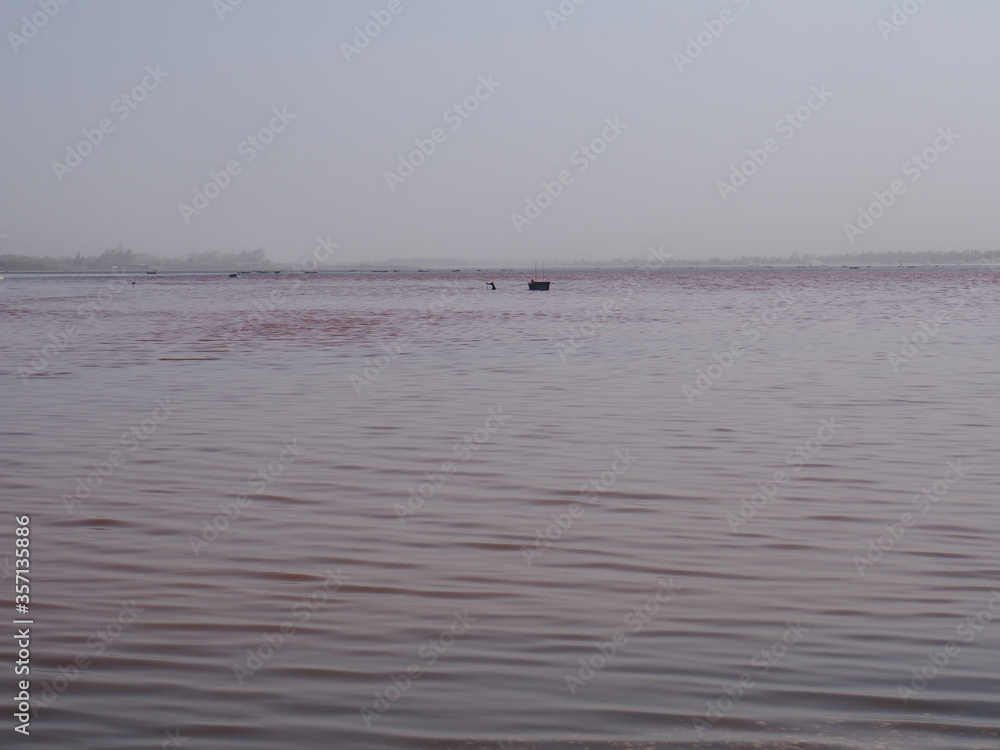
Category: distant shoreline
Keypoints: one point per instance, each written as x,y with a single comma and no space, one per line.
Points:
551,270
256,262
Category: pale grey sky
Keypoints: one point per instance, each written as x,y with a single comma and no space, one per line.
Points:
667,98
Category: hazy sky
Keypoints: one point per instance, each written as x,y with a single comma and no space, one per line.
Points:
666,116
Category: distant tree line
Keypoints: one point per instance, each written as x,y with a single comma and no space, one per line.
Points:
124,259
120,258
903,257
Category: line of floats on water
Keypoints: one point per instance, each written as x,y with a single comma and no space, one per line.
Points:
533,285
543,285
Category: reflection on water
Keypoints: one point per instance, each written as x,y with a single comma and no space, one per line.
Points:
731,510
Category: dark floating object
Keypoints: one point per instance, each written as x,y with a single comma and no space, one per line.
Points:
538,286
234,275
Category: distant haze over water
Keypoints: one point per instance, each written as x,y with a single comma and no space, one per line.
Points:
501,133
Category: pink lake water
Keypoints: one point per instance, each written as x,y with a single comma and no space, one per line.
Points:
398,510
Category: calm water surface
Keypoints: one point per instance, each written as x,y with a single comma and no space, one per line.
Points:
402,511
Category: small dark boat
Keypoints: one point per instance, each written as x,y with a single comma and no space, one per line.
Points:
538,286
234,275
